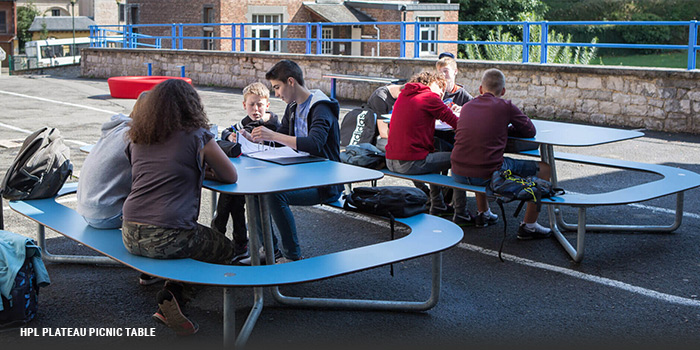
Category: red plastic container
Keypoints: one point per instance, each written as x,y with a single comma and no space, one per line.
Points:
133,86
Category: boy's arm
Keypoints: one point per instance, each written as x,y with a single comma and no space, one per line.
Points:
321,124
520,124
441,111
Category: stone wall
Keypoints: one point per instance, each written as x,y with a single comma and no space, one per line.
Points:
656,99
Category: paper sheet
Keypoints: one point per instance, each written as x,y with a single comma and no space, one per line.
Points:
263,151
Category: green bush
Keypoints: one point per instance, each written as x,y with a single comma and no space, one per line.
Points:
645,34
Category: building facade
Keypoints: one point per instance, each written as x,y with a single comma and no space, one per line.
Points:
268,15
8,29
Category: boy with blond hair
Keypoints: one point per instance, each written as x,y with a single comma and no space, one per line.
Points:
480,140
447,66
256,101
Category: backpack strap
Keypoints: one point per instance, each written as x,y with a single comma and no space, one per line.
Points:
392,221
499,200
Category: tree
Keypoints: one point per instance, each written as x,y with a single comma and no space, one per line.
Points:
25,17
494,10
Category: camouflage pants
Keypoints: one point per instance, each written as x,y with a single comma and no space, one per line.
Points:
201,243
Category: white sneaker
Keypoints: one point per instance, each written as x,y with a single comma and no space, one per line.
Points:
537,232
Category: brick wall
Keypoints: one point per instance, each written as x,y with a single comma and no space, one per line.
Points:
656,99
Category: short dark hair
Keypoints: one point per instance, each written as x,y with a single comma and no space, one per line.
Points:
446,54
285,69
493,81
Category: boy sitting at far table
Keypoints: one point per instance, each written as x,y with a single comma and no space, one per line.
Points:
480,140
256,101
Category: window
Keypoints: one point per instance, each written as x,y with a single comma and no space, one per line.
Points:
327,46
122,10
266,31
428,32
208,31
55,12
3,21
134,17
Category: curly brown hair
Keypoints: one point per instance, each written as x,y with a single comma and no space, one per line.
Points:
428,77
170,106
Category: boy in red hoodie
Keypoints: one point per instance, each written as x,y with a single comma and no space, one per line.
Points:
410,148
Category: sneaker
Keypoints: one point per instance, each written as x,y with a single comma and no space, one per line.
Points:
158,317
445,211
538,232
284,260
147,280
484,219
463,220
170,313
240,252
247,261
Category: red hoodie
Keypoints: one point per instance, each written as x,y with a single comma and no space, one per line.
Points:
413,122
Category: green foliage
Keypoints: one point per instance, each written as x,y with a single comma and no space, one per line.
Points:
514,53
493,10
633,10
25,17
645,34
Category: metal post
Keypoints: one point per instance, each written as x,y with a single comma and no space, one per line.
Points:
319,33
308,38
526,42
416,44
72,5
242,37
233,37
150,68
182,70
173,35
403,39
692,43
545,34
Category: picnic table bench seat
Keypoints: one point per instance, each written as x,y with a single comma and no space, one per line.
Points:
429,235
674,181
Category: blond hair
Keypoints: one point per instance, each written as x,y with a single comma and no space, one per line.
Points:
427,77
256,88
446,61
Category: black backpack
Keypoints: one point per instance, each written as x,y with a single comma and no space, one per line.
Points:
22,305
358,126
388,201
508,186
365,155
40,168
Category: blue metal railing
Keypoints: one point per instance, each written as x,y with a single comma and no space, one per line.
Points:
127,36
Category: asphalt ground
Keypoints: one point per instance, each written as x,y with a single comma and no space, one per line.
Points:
631,289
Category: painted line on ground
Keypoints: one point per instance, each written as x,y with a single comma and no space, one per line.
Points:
58,102
586,277
531,263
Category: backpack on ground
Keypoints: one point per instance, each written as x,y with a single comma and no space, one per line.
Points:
22,305
507,186
40,168
365,155
358,126
388,201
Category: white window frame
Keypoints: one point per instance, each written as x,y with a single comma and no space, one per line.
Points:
274,31
431,31
327,46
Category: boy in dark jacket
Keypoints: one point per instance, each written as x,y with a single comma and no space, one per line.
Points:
309,124
256,101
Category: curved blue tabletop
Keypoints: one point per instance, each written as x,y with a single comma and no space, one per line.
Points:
258,176
577,135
